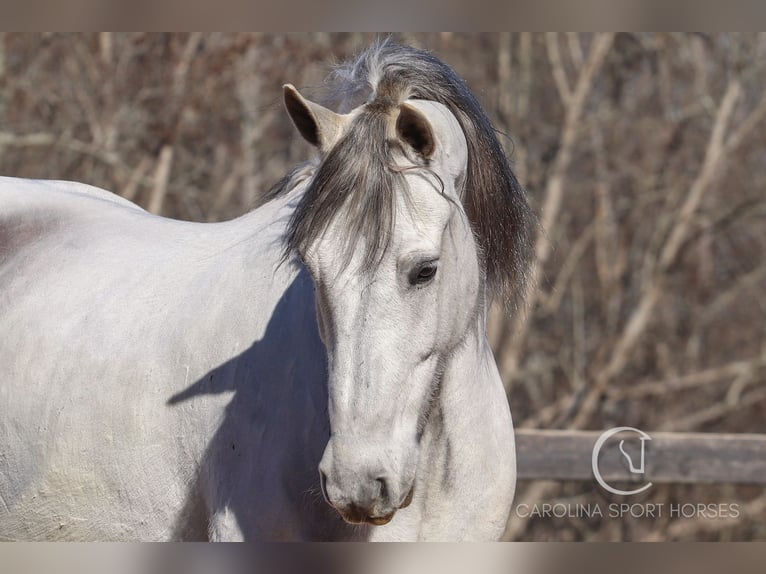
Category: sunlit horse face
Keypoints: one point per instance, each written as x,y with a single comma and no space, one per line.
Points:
388,328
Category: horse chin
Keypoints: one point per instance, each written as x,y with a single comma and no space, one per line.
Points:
356,516
380,520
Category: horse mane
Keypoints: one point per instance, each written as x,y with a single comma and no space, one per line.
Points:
357,174
288,182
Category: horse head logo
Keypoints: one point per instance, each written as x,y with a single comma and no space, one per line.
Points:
643,437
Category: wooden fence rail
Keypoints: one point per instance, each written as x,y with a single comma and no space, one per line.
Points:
670,457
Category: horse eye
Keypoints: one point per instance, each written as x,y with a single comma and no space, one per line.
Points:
423,274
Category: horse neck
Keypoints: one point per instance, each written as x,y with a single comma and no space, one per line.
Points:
470,367
468,444
277,209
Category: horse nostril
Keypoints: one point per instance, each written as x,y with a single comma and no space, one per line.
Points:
383,488
323,486
408,498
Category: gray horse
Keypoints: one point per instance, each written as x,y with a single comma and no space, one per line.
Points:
316,369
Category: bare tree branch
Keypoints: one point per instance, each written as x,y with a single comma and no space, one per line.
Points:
554,194
689,381
639,318
557,68
714,156
161,177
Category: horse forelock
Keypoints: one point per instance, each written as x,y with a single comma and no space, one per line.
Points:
356,181
357,178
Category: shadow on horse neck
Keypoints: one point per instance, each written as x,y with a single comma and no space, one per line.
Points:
260,466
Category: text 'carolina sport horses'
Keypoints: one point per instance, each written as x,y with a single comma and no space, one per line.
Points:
317,369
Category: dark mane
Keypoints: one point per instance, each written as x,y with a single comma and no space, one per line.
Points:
291,179
357,173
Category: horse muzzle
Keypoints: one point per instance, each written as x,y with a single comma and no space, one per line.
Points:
372,512
365,493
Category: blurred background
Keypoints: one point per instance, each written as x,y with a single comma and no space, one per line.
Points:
643,155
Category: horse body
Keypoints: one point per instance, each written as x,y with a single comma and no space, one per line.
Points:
107,312
171,380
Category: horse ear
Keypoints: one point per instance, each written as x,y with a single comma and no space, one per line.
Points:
413,127
318,125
